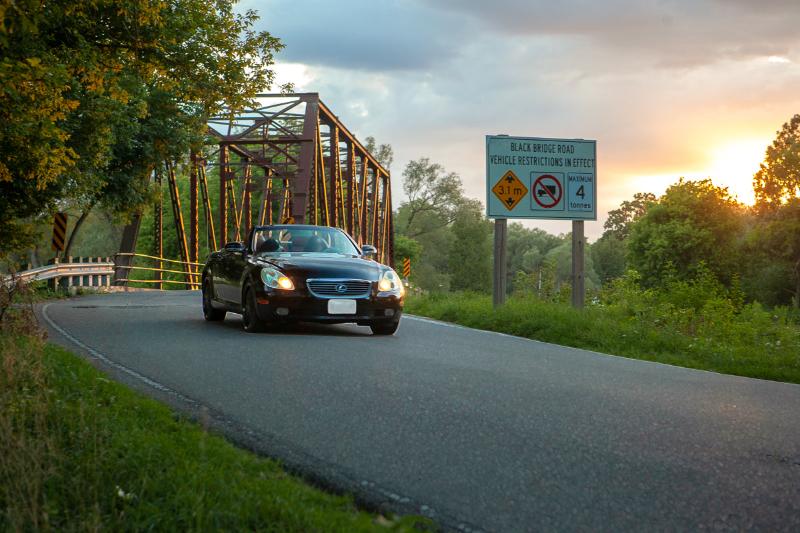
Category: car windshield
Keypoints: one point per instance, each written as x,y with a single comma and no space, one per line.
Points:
304,240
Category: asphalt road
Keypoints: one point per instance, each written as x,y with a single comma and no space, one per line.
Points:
477,430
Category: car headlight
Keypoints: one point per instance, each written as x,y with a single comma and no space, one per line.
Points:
275,279
390,282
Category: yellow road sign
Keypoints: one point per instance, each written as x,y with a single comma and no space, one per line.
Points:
406,267
510,190
59,231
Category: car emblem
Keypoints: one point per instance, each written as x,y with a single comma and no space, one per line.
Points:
341,288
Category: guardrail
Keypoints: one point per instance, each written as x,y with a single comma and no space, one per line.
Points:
103,272
74,272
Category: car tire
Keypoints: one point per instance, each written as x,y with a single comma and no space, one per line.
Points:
211,314
384,328
250,320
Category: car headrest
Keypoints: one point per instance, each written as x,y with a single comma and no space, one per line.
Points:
269,245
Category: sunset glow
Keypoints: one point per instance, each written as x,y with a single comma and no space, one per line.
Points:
731,164
734,164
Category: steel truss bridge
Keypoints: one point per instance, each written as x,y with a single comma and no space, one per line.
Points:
288,160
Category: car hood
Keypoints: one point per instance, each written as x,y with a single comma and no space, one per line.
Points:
319,265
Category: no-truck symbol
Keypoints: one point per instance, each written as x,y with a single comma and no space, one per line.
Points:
547,191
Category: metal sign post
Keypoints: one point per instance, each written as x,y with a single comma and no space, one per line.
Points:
578,285
538,178
500,266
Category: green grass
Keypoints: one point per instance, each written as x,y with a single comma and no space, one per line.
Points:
752,342
80,452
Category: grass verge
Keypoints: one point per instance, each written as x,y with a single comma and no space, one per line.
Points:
80,452
753,342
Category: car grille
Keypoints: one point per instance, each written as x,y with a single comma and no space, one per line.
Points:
339,288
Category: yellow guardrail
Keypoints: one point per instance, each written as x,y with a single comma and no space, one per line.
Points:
191,271
159,259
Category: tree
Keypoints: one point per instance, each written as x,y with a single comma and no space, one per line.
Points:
773,251
431,270
120,185
608,253
383,152
430,190
608,256
549,276
470,259
693,223
435,200
405,247
775,235
81,85
778,179
526,249
33,101
619,220
561,258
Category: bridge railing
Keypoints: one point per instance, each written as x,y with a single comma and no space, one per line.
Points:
101,272
190,270
70,272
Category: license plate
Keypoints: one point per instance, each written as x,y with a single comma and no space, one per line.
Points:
341,307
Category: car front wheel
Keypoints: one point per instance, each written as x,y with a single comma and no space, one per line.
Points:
252,324
384,328
210,314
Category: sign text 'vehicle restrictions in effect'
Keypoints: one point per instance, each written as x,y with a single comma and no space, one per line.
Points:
559,177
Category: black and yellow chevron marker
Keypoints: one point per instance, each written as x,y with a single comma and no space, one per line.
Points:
406,267
59,231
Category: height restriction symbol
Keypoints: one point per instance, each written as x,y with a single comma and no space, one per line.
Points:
510,190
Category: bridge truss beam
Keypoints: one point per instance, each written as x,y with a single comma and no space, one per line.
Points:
288,160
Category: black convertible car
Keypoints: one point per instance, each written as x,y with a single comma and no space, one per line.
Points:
301,273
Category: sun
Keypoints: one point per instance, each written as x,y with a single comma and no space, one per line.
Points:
733,165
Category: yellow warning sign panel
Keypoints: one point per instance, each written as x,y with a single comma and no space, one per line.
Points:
510,190
59,231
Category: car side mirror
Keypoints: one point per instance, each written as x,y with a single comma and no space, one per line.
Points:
368,250
234,247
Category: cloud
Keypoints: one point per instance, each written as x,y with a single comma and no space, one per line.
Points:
674,33
400,35
580,37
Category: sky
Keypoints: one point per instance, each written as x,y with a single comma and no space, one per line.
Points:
668,88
